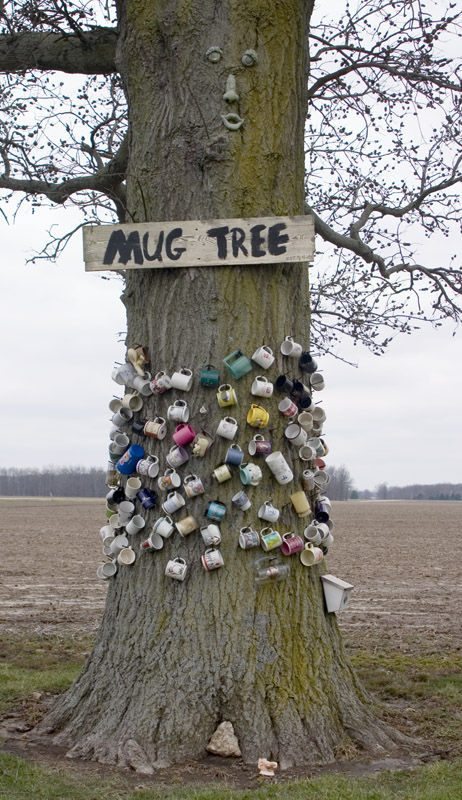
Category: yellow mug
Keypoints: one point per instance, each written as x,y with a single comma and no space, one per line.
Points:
300,503
226,395
258,417
222,473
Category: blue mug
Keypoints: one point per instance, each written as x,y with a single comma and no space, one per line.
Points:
147,498
215,510
127,463
234,456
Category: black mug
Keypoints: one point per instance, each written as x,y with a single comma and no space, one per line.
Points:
138,426
307,363
283,384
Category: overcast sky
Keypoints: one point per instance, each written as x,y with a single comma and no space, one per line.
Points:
394,418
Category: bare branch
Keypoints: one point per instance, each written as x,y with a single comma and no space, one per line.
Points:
91,52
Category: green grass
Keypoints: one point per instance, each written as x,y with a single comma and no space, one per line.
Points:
20,780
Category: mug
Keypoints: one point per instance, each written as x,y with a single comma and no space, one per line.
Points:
136,524
263,356
164,527
313,534
126,556
209,376
321,478
118,544
105,531
107,570
317,382
122,417
182,379
321,512
177,456
123,373
222,473
288,408
215,510
147,498
160,383
262,387
169,480
301,504
308,480
176,569
259,446
119,444
116,495
179,411
241,501
186,525
193,486
270,539
173,503
227,428
212,559
111,474
141,384
306,453
211,535
268,511
114,522
115,404
283,384
279,467
305,420
132,486
237,364
291,543
148,466
319,415
114,457
183,435
154,542
290,348
126,510
133,401
295,434
307,363
317,445
234,455
156,428
311,555
202,444
226,395
257,417
248,538
250,474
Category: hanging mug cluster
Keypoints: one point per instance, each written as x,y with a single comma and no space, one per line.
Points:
181,483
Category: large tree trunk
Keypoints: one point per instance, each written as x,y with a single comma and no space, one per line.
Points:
172,660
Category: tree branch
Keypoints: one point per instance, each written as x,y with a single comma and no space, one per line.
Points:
91,52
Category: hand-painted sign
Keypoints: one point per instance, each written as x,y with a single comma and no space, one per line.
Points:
153,245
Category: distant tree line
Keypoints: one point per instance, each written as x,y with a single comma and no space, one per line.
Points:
416,491
52,481
340,486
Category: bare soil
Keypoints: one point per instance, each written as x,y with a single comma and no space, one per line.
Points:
403,558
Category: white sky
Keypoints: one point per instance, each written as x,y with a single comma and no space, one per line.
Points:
394,418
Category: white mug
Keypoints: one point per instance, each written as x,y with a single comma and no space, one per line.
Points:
305,420
142,385
263,356
287,407
227,428
170,479
115,404
107,570
132,486
173,503
279,467
176,569
296,434
126,510
319,415
262,387
136,524
317,381
212,559
119,543
290,348
133,401
177,456
164,527
306,453
122,417
313,534
148,466
182,379
126,556
268,512
119,444
179,411
211,535
154,542
123,374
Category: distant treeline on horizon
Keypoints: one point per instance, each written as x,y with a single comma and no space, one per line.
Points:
91,482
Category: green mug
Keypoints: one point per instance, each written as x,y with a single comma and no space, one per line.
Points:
209,376
237,364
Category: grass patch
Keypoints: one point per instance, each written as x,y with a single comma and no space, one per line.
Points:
22,781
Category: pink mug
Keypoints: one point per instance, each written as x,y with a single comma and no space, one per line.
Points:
183,435
291,543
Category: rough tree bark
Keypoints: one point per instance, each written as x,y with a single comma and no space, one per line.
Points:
172,660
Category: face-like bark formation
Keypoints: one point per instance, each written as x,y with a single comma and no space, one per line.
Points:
173,660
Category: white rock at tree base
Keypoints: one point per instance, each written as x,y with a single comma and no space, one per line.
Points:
224,741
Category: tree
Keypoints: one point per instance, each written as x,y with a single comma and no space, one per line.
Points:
340,484
171,661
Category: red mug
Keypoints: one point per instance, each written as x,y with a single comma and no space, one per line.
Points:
291,543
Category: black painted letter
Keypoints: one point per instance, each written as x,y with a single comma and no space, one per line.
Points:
118,243
276,239
220,235
256,241
175,254
237,242
157,255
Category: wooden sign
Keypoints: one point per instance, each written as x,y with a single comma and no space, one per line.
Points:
210,243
